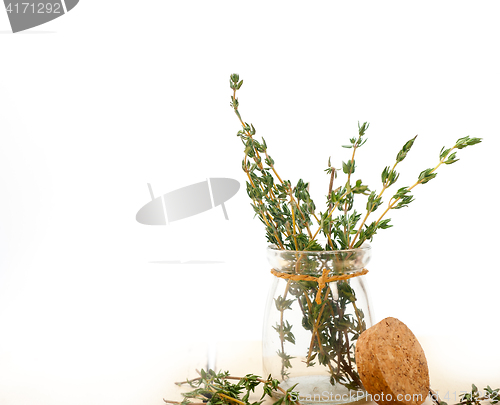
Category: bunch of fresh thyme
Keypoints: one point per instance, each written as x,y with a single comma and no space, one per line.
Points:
213,388
288,212
289,216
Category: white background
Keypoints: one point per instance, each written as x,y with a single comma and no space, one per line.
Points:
116,94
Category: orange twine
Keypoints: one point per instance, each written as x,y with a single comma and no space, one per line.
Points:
322,280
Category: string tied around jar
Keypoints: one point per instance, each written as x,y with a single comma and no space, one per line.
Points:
321,280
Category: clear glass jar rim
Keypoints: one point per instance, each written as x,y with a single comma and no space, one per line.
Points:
364,248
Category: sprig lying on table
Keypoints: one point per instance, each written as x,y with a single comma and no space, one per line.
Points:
213,388
473,397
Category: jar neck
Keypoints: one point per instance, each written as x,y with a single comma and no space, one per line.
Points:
315,263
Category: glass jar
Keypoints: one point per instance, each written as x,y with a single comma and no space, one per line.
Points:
316,309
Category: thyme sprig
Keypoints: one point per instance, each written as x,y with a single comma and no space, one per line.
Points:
213,388
288,212
216,388
473,397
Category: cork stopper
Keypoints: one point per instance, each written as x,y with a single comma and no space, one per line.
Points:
392,364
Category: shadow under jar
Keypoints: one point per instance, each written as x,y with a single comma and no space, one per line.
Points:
316,309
